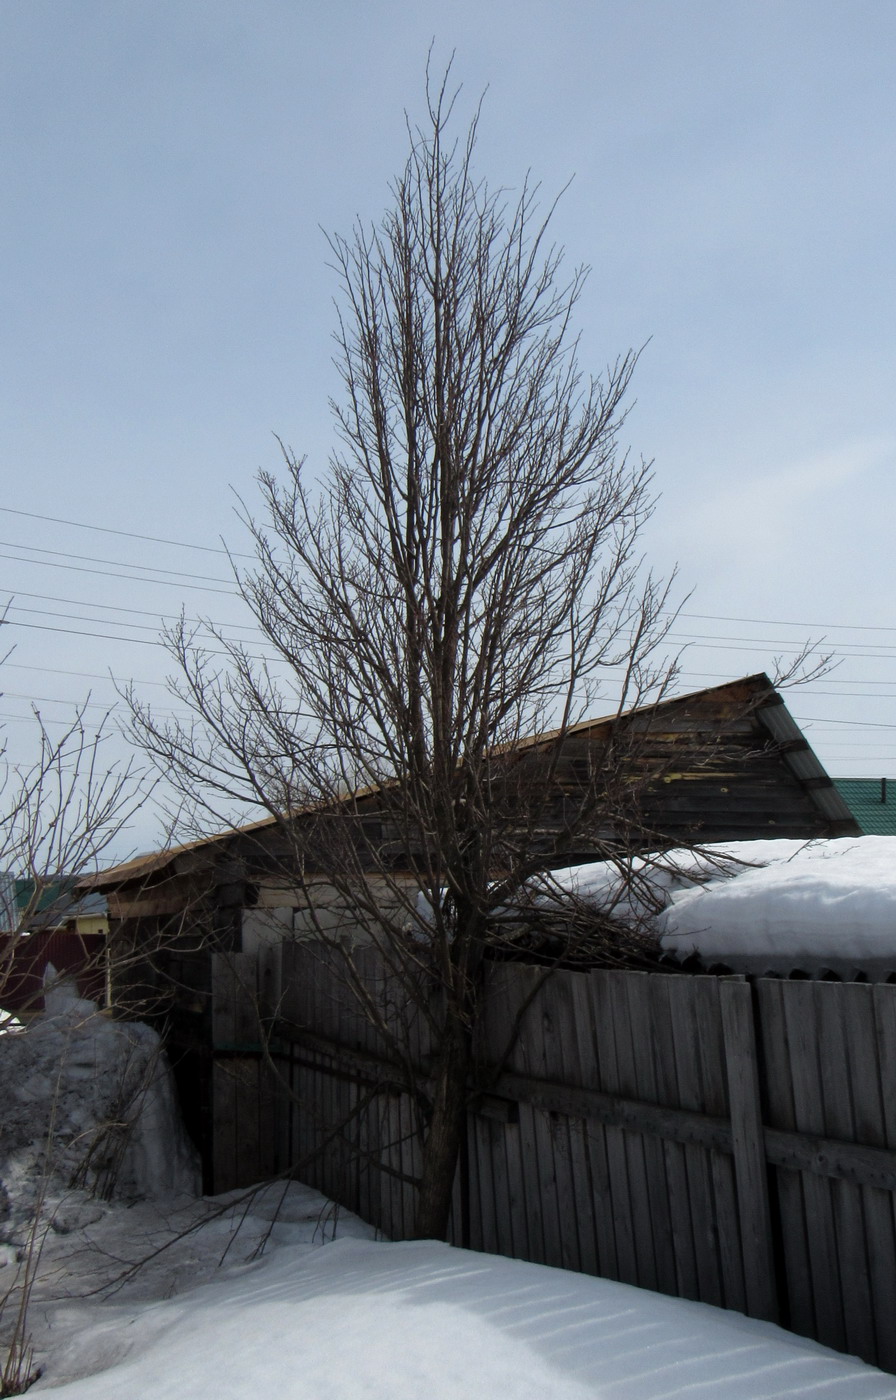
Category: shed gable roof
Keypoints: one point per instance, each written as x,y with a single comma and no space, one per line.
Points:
789,762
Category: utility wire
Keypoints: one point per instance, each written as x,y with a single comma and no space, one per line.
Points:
82,704
115,637
116,563
134,578
81,675
704,638
853,723
114,622
111,636
233,554
829,680
753,645
119,607
182,579
782,622
128,534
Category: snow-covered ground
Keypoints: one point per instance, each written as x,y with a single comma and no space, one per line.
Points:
766,905
249,1304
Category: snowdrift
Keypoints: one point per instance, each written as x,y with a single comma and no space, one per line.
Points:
763,906
360,1320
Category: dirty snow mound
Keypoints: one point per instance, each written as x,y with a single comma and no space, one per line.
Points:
88,1102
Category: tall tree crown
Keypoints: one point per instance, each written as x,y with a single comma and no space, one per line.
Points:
468,567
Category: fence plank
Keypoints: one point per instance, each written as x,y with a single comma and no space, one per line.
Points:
503,999
685,1045
582,1205
668,1093
224,1120
223,1002
617,1161
531,1133
875,1104
802,1041
247,1023
247,1164
834,1003
363,1140
492,1185
711,1051
637,1170
270,1093
750,1170
597,1241
798,1304
556,1024
642,1032
550,1127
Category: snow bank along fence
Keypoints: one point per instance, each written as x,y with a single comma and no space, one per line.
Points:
707,1137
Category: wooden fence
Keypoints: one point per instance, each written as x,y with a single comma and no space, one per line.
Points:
707,1137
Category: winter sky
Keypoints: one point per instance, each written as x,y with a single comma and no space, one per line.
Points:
168,168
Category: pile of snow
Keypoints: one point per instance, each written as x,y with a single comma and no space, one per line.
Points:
220,1299
361,1320
88,1283
763,905
86,1101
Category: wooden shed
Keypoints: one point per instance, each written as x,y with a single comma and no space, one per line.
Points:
725,763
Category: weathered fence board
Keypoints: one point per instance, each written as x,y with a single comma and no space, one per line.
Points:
681,1029
802,1033
748,1149
619,1185
597,1244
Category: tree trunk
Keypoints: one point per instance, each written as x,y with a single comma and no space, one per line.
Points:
444,1137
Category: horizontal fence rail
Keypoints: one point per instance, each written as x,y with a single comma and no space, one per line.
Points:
706,1137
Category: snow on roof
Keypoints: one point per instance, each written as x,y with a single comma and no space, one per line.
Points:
760,906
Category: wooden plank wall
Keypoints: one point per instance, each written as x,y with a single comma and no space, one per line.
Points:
248,1137
702,1136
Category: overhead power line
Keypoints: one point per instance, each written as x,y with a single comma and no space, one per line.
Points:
128,534
235,554
79,705
118,621
782,622
120,607
828,680
767,648
853,723
116,563
80,675
115,637
713,643
134,578
704,638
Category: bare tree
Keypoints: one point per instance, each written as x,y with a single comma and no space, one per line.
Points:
464,576
61,809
